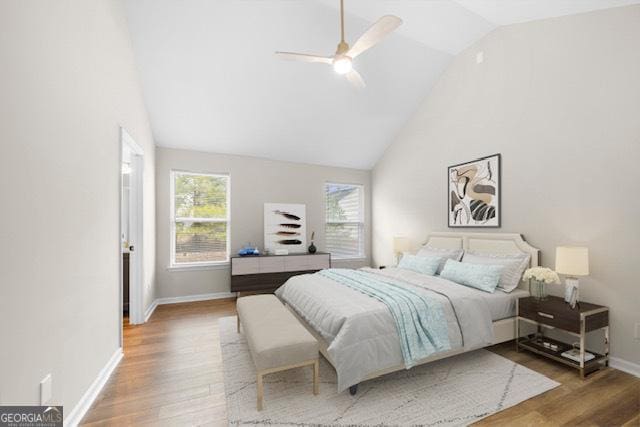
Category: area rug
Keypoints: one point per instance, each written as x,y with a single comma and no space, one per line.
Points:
450,392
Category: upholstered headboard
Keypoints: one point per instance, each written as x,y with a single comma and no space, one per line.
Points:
493,243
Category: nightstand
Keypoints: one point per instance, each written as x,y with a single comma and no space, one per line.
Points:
554,313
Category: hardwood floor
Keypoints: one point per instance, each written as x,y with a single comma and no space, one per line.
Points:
172,375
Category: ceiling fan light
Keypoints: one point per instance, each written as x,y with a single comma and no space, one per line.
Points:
342,65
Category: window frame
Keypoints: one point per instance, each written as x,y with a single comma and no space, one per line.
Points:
362,242
172,224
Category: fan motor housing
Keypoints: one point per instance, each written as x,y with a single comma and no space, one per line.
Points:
343,48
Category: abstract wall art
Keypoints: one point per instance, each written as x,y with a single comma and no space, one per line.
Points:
474,193
285,227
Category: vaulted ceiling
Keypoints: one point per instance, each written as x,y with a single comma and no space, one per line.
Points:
212,83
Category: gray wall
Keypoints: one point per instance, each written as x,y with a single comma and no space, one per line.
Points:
254,181
68,81
560,99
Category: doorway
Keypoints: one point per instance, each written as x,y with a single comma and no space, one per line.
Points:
130,249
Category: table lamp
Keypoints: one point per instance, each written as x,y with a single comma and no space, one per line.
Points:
572,261
400,245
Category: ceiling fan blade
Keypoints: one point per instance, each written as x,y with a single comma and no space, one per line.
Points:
374,34
355,79
292,56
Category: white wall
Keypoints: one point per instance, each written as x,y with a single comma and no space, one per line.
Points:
254,181
560,99
68,81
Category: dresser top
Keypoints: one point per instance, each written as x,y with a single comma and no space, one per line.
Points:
273,255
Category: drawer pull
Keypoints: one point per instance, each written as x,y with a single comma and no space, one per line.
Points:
548,316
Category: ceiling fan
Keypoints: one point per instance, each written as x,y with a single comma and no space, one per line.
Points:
342,60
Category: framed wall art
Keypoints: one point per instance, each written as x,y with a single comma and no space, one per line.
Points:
285,227
474,193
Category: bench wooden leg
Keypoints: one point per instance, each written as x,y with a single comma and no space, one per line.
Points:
316,373
315,366
260,388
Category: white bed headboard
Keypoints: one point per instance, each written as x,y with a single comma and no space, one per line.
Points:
492,243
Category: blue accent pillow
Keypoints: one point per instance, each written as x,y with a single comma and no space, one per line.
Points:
480,276
420,264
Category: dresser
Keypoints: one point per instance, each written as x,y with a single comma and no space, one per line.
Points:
269,272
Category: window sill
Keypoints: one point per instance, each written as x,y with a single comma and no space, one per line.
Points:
197,267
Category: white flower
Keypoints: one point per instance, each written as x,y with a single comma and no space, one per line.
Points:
541,274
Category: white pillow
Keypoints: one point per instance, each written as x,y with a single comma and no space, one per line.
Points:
514,266
445,254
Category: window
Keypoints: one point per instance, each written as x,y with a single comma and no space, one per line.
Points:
344,229
199,219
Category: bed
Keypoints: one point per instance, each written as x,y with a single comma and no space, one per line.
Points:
358,334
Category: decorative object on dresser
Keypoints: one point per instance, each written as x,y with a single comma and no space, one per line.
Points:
554,313
312,248
400,246
249,250
572,261
285,228
474,193
268,272
538,277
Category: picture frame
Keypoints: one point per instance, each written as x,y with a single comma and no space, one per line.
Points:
474,196
285,228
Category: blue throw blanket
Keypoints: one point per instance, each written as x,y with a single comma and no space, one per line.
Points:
420,319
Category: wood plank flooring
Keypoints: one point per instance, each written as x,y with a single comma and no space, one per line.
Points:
171,375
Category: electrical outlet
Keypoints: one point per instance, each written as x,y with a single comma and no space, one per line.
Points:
45,390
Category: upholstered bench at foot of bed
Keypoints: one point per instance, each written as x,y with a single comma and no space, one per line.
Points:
276,339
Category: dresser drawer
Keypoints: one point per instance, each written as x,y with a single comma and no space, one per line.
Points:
306,262
241,266
271,264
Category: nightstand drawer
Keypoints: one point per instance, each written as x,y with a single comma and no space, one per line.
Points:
550,315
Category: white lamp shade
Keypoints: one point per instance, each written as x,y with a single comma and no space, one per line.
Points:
572,260
400,244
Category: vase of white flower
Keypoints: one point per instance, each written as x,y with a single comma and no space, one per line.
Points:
537,289
538,278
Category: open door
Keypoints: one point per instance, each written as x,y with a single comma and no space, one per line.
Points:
131,230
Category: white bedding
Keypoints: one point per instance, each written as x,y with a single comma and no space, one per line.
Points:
360,331
502,304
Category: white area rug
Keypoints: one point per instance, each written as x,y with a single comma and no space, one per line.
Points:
455,391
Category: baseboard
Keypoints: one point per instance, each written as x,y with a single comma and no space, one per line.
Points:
87,399
186,298
624,365
192,298
150,310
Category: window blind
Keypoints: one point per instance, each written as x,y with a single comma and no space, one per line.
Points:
200,225
344,220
